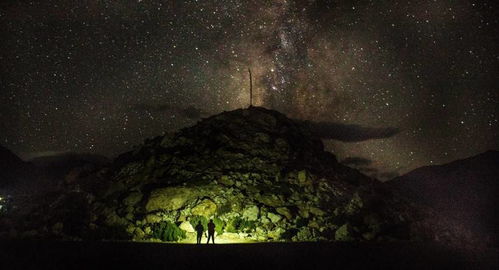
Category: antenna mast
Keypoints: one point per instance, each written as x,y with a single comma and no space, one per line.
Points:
251,88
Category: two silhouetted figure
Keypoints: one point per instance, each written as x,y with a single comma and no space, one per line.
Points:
199,229
211,232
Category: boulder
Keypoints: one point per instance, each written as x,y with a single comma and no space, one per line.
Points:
225,180
303,177
186,226
355,204
133,198
205,208
269,199
112,219
153,218
171,198
274,218
285,212
251,213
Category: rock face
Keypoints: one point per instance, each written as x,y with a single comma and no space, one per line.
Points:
258,174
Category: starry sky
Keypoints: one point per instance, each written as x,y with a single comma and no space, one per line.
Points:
101,76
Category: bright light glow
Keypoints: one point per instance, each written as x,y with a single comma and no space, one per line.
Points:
219,239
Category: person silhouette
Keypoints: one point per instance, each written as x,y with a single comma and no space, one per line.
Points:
211,232
199,229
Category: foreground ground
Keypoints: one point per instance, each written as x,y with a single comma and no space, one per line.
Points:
116,255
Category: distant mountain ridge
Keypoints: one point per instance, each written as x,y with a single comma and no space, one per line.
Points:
12,168
465,190
69,159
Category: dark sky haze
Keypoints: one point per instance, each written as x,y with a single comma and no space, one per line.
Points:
101,76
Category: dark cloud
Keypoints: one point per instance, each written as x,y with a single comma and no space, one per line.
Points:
356,161
349,133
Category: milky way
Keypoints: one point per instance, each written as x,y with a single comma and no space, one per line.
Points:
101,76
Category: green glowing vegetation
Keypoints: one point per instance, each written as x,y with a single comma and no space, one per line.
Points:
219,225
241,225
167,231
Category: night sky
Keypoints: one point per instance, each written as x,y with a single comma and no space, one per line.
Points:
102,76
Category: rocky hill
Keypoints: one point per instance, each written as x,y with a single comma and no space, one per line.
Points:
258,174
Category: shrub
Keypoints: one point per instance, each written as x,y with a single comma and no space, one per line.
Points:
233,225
240,225
219,225
167,231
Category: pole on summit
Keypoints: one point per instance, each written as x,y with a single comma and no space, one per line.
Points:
251,88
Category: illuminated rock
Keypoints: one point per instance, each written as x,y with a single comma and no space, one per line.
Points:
274,218
153,218
285,212
186,226
171,198
205,208
251,213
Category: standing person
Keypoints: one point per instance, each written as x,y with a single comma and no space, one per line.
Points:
211,232
199,230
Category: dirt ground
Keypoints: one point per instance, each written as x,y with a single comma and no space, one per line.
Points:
117,255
